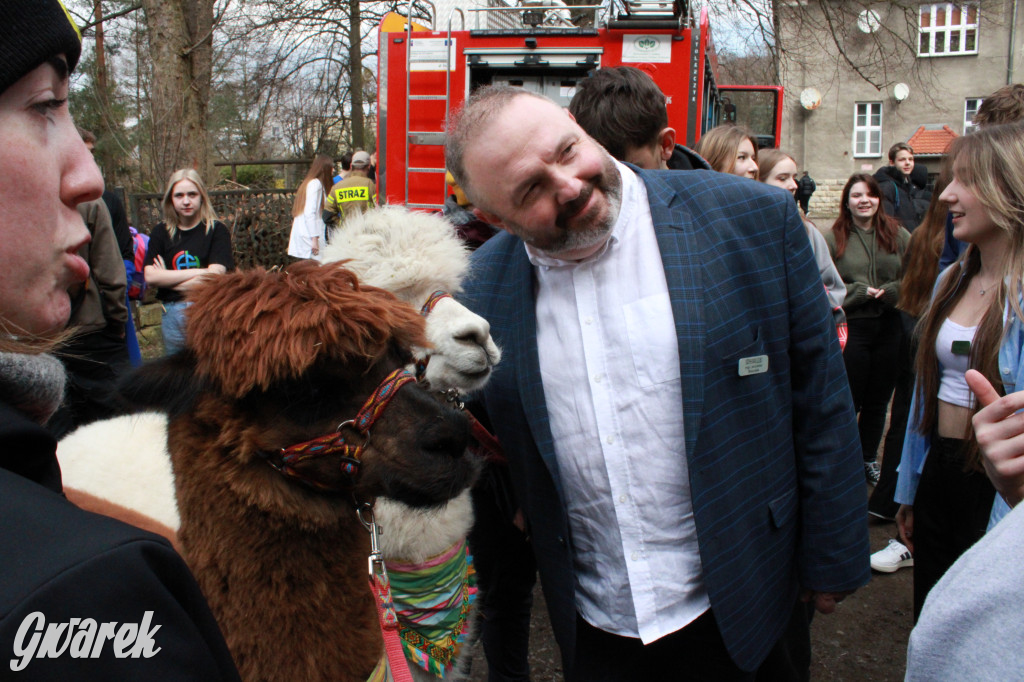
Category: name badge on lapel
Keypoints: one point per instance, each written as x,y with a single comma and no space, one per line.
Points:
758,364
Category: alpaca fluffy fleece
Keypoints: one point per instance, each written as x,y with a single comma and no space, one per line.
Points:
412,255
256,328
134,469
422,246
126,459
123,460
416,535
282,567
290,595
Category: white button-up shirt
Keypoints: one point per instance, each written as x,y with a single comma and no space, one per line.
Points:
609,362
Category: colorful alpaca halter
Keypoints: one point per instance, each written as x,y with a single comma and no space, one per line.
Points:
291,460
432,301
486,445
428,307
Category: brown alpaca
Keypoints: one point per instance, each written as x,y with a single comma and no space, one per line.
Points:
273,360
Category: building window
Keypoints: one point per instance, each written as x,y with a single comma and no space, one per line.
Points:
867,129
948,29
971,105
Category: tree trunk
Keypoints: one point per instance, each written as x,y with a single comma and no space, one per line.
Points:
776,48
181,45
101,55
355,59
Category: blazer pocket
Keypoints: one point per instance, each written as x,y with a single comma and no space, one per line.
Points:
783,508
741,362
738,386
731,350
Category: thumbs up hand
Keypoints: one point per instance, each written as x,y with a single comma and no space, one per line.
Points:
999,430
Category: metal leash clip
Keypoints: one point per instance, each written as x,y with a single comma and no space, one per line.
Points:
375,562
454,398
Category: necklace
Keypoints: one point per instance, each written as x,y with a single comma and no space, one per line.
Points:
982,290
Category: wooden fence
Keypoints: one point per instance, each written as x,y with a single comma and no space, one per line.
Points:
260,221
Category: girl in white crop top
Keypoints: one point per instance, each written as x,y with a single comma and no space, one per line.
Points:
942,485
953,387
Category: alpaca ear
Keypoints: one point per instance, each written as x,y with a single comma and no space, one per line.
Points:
166,385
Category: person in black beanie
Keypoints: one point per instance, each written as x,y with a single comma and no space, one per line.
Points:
82,597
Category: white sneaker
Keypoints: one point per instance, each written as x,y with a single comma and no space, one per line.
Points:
873,472
894,557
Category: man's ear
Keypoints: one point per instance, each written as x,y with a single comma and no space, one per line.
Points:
488,217
667,143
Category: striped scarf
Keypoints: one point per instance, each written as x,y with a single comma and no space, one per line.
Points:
433,601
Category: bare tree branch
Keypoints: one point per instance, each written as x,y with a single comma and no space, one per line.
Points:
109,17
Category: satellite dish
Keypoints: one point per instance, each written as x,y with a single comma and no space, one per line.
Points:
810,99
900,91
868,21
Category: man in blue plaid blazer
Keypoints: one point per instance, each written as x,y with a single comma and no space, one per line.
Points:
672,398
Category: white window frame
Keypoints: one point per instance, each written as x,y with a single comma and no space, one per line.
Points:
970,112
863,127
955,27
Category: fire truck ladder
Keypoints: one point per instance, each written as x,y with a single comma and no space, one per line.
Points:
435,138
651,14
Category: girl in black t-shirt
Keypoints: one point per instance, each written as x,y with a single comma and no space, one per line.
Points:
190,245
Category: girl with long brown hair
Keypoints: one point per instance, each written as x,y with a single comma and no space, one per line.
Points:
308,227
921,267
944,494
867,248
971,616
730,149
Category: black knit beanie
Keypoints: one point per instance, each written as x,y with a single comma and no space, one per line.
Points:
32,31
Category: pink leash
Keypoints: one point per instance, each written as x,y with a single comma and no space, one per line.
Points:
380,585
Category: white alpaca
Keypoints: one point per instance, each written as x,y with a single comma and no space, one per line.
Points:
412,255
125,461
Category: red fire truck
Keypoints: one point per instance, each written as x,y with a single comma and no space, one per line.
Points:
426,72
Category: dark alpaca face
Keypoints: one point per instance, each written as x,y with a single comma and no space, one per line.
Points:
276,359
415,451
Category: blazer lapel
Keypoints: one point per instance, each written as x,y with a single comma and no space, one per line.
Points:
527,361
677,237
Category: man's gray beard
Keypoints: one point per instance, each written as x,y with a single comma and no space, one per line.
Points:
582,240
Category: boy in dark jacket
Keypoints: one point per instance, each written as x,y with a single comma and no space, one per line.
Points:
624,109
905,195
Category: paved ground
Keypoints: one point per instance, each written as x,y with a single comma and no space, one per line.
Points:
865,639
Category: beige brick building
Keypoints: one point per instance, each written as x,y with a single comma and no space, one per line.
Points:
929,65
